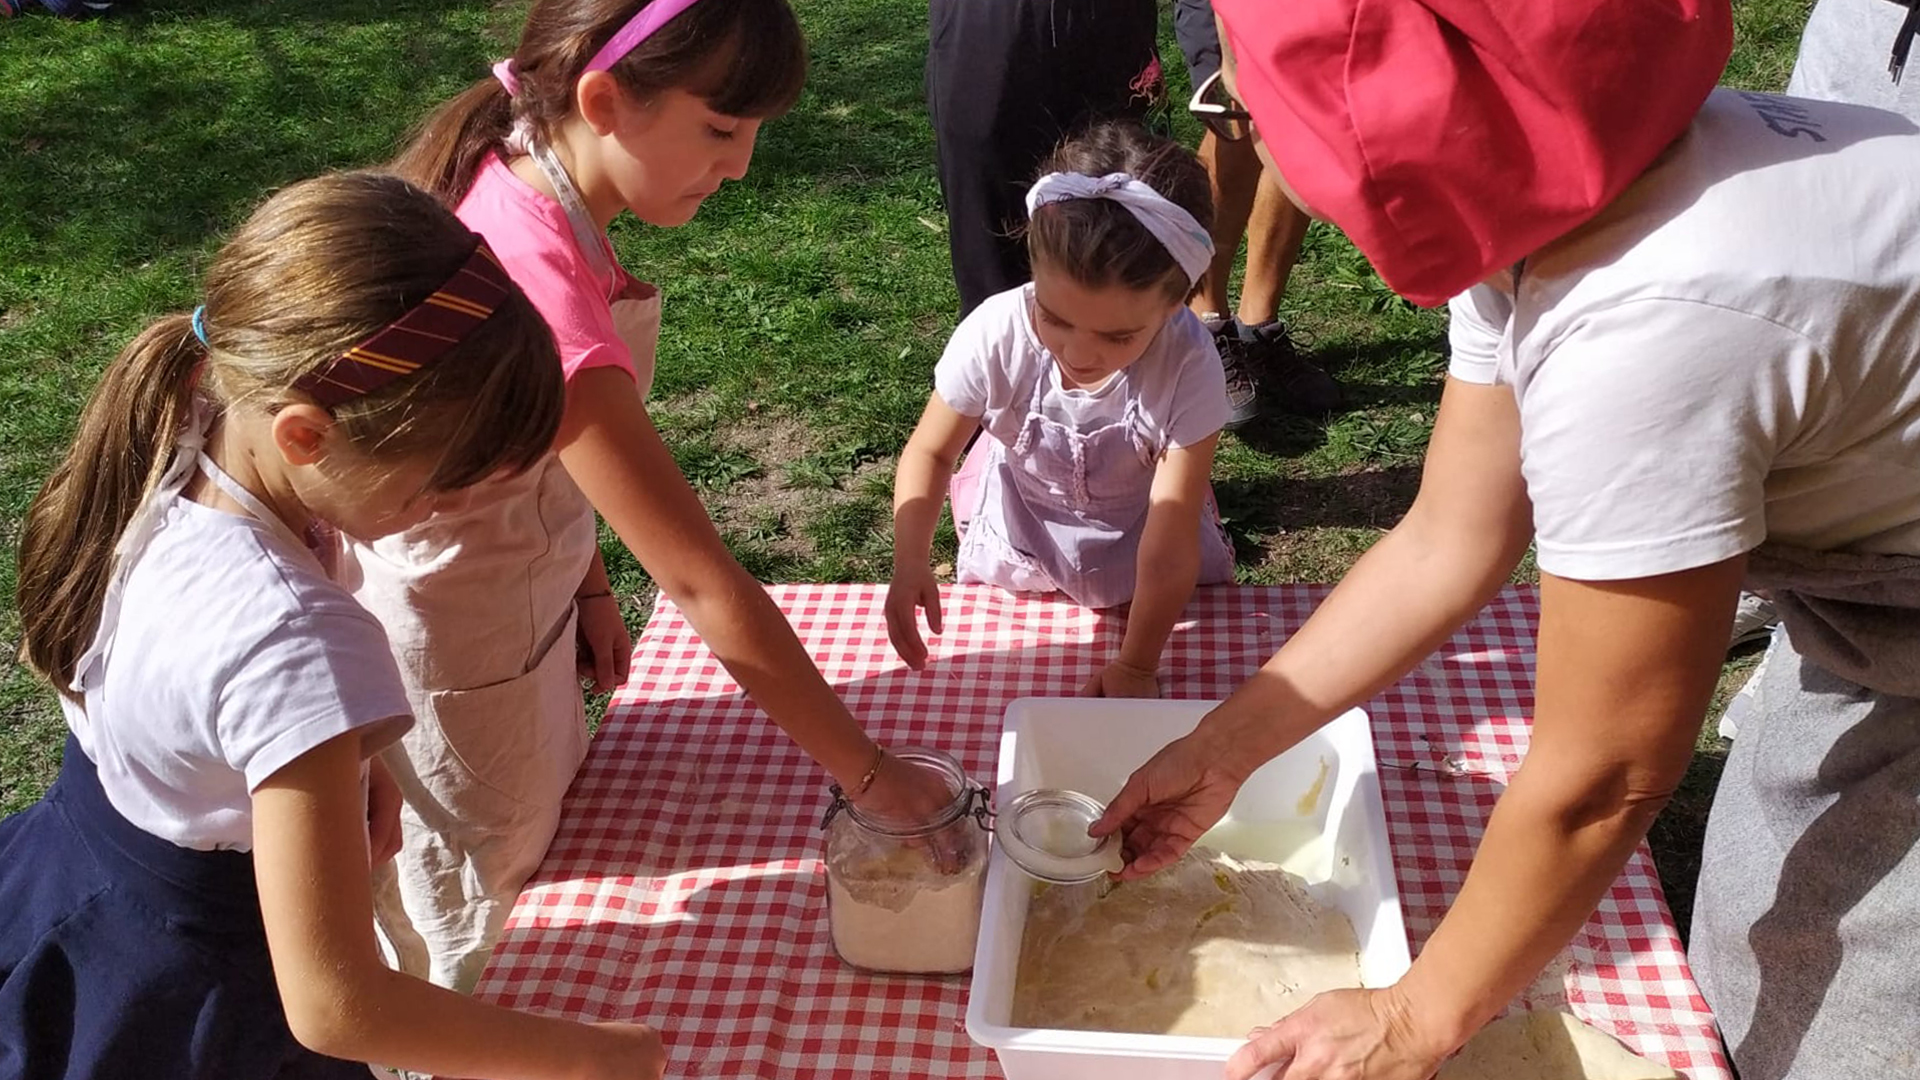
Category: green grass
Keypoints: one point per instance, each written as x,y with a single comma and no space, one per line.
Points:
805,307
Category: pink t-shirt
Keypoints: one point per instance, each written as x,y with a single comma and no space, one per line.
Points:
530,233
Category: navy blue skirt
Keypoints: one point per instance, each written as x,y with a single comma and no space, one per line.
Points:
122,955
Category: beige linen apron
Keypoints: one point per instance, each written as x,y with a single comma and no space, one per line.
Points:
478,602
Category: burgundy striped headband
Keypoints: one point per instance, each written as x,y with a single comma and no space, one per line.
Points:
417,338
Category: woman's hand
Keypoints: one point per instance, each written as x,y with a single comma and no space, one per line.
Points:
1168,802
1342,1035
1120,679
606,648
913,588
383,813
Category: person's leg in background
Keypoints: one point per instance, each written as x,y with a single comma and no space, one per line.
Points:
975,76
1844,50
1006,81
1253,343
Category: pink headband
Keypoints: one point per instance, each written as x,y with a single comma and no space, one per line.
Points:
651,17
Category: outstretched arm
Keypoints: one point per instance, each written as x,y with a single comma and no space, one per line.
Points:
1467,529
612,450
316,898
919,488
1168,563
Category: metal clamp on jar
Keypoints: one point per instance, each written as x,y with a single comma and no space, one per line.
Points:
904,895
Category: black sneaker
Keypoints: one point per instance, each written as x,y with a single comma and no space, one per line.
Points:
1243,394
1296,386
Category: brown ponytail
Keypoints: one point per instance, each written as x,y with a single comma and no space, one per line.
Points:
318,269
744,58
449,146
123,446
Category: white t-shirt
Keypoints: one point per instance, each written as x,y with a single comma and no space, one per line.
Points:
995,359
234,655
1730,353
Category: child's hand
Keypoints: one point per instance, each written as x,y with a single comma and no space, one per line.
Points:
383,813
903,792
1121,679
606,649
627,1052
913,588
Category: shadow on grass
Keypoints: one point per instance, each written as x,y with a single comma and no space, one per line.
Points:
1372,499
1373,395
174,120
1678,834
864,114
1404,375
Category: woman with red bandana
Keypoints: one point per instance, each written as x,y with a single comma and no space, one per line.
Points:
1685,326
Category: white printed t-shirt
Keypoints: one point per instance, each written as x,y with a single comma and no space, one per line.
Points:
1729,353
234,655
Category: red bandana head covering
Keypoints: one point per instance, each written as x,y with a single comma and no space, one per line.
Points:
1449,138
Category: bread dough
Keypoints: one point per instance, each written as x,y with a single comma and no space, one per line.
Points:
1209,946
1548,1046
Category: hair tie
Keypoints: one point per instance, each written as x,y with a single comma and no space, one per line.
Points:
200,326
1189,244
503,71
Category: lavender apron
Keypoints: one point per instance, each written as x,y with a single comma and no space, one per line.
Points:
1062,510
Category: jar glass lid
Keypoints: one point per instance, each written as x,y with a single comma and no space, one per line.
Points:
1044,832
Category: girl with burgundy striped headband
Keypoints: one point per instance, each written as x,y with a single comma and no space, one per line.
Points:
605,106
360,356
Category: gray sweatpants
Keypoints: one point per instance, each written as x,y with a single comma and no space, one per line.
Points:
1806,925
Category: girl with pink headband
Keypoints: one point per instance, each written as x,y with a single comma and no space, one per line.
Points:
499,607
1684,357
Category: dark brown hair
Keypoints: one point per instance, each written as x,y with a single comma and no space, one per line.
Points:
1099,242
319,268
743,57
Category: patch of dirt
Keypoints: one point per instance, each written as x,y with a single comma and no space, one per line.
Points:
1321,554
765,509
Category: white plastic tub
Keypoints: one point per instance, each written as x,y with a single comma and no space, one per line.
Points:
1327,826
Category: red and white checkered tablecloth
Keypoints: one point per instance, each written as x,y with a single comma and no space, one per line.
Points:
685,888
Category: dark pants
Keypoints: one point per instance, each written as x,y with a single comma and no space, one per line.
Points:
1006,81
1199,38
124,956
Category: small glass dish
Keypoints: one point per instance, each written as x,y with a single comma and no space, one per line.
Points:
1044,832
